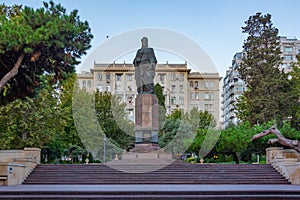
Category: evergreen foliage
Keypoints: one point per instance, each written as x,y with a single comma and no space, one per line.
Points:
33,42
158,91
269,91
113,120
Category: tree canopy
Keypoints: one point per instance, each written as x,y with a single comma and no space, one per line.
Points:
34,42
269,94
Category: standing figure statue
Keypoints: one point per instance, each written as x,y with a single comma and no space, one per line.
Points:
145,63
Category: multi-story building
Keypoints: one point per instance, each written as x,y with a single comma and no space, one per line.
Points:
182,88
233,86
290,47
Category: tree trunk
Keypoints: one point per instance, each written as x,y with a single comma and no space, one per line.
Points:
12,72
235,158
295,144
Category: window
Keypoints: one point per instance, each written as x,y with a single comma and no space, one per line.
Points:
173,87
207,96
161,77
239,89
129,88
288,49
191,84
208,107
181,100
83,84
130,112
287,57
130,100
129,77
173,100
196,95
107,88
208,84
181,88
107,76
173,77
181,77
100,76
89,84
119,77
99,87
192,95
196,85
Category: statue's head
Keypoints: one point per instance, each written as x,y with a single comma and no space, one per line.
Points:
144,42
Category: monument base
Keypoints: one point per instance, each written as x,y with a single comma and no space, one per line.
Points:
145,148
150,155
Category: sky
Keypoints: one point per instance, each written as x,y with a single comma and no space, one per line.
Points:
215,25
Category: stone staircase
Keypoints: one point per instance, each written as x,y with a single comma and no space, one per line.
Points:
176,173
178,180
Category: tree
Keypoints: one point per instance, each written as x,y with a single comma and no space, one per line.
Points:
268,95
241,107
36,42
113,120
203,124
294,77
10,11
68,136
158,91
294,144
87,125
30,122
189,128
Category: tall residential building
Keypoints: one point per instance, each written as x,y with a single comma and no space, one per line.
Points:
290,47
182,88
233,86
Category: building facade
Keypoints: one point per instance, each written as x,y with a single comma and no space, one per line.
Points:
182,88
233,86
289,47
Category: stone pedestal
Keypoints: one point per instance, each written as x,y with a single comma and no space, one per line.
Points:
146,123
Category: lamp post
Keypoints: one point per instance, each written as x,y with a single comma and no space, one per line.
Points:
104,148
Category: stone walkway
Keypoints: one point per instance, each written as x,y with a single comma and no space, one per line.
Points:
146,192
154,187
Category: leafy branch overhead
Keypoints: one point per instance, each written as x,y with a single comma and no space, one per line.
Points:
34,42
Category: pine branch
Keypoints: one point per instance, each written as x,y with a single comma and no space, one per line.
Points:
12,72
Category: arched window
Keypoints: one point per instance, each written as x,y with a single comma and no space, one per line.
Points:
196,85
89,84
83,84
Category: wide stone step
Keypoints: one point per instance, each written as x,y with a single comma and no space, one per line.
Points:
177,172
151,192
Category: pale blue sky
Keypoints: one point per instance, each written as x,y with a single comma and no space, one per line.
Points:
214,24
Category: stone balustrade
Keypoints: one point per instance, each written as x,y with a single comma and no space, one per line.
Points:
16,165
286,162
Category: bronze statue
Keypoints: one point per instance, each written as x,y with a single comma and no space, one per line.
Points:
145,63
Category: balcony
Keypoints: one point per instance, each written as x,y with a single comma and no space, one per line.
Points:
231,99
231,108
